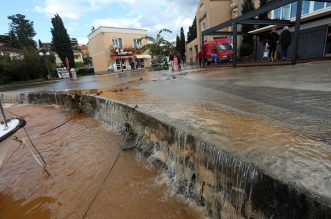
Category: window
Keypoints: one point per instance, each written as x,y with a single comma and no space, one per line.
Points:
202,25
117,42
137,43
318,5
305,7
286,12
276,14
294,7
290,11
224,46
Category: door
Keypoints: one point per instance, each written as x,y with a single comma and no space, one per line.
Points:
328,43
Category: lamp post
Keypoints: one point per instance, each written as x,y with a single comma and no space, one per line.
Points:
48,71
119,52
3,116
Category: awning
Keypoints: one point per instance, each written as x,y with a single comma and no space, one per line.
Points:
122,57
143,56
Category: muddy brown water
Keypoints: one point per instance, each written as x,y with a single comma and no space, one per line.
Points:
79,156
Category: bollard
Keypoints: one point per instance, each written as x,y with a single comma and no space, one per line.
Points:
73,74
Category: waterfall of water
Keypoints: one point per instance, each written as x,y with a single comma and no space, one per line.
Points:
223,182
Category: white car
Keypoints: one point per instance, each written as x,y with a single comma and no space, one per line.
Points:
62,73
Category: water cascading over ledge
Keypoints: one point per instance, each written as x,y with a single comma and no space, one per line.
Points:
224,183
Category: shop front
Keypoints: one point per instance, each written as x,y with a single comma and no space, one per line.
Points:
121,63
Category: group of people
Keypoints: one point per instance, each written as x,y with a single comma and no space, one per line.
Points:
284,39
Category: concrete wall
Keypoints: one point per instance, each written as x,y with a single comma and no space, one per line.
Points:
191,52
223,183
211,13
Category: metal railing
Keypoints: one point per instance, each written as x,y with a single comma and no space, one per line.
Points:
3,116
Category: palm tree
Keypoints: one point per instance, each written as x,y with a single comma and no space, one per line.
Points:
158,46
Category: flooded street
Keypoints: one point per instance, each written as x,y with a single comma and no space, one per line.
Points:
278,120
271,120
90,176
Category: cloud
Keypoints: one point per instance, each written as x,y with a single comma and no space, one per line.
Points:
155,15
82,41
120,22
65,8
151,15
96,4
75,9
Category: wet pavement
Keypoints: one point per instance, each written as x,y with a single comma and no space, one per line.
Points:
276,117
90,176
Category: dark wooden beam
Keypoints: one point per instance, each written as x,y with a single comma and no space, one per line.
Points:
203,52
266,21
296,33
226,33
235,44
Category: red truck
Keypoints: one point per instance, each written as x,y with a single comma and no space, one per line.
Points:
218,50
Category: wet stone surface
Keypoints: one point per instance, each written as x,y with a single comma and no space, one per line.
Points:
79,156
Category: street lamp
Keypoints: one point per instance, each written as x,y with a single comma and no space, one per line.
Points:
119,52
46,54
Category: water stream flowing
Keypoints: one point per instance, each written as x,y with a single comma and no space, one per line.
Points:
236,165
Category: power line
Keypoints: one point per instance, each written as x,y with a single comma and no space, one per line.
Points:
105,179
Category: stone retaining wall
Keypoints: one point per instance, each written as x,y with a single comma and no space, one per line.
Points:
225,184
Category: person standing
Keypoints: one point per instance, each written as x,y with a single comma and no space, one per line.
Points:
171,58
175,64
199,56
285,41
272,41
179,58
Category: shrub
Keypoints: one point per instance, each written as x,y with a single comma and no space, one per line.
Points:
79,64
31,67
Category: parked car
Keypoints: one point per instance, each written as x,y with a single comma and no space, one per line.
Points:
62,73
218,50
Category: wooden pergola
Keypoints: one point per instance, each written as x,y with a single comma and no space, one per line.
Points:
250,18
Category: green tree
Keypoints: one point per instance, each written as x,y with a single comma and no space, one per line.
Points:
61,41
13,41
192,31
4,39
21,31
182,47
178,44
248,41
159,46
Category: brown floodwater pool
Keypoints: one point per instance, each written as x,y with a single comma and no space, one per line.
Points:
90,176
